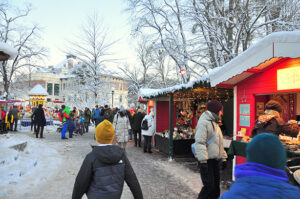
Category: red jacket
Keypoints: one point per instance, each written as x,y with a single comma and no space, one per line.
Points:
3,115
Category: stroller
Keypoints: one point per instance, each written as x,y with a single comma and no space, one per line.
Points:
292,165
79,126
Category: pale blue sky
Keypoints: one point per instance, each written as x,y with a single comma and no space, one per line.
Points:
61,20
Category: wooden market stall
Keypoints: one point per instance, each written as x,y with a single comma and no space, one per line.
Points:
270,69
37,95
177,110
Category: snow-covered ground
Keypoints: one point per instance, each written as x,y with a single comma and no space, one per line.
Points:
21,170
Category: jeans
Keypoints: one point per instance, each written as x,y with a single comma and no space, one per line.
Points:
122,144
97,121
64,130
210,180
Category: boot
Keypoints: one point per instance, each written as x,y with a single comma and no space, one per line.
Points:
36,134
41,135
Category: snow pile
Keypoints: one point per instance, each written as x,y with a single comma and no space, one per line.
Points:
38,90
278,44
8,50
21,170
150,93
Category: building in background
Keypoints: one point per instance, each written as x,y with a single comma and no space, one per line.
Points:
59,82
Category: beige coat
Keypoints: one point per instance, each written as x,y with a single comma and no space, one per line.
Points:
122,126
205,130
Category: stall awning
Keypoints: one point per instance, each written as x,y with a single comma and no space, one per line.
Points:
274,48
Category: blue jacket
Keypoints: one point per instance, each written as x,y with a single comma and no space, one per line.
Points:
96,114
257,181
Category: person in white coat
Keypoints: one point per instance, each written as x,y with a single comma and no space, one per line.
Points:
122,126
148,133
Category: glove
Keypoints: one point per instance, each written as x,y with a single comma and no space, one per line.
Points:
223,165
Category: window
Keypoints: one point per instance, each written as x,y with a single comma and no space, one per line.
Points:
56,89
50,88
48,99
64,86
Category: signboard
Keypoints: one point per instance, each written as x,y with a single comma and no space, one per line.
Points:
245,115
244,120
288,78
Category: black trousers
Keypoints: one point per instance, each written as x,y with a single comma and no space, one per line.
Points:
211,180
86,126
38,128
137,141
147,143
15,122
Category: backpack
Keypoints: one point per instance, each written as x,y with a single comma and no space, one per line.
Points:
144,125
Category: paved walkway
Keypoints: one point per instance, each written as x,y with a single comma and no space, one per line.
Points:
158,177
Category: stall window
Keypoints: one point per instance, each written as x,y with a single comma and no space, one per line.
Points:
50,88
56,89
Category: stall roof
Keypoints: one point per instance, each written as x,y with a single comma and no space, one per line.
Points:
151,93
7,49
38,90
273,48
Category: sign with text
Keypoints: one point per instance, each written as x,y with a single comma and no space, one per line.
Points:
288,78
245,115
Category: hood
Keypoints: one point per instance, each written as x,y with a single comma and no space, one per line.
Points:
210,116
67,110
109,154
269,114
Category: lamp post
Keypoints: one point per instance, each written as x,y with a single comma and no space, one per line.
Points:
112,98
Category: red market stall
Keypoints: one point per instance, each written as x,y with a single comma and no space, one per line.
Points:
177,110
270,69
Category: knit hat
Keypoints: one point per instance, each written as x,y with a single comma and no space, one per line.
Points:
122,109
214,106
104,132
274,105
267,149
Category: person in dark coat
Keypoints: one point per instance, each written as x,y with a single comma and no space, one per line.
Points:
136,127
263,176
40,121
15,113
87,119
271,122
108,114
105,168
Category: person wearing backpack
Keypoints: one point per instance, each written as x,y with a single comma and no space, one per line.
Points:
105,168
148,131
209,150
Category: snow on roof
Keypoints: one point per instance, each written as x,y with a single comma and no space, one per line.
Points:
65,63
38,90
7,49
150,93
278,44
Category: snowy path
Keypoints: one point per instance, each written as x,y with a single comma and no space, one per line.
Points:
58,162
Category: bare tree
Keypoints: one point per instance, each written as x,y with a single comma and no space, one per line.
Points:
229,27
23,38
164,21
92,48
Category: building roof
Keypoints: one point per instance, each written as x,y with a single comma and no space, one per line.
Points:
7,49
150,93
272,48
38,90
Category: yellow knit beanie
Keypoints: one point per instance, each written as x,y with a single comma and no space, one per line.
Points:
104,132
